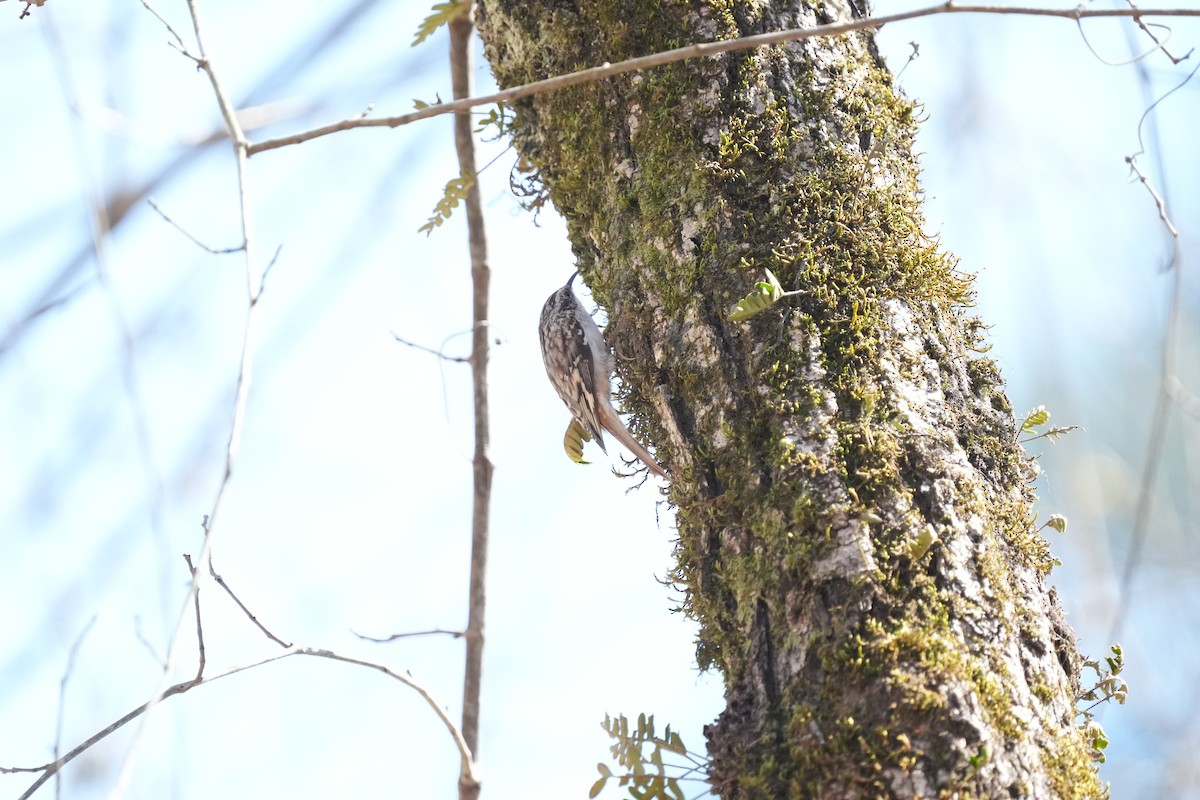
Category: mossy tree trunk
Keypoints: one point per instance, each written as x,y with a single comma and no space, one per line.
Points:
817,450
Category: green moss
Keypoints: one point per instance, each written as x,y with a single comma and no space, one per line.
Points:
1043,691
1072,771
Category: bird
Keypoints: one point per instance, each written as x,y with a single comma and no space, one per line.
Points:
580,368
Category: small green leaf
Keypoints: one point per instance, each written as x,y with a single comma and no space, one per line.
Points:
442,14
497,118
638,792
573,441
605,774
454,193
673,786
674,744
766,294
1036,418
773,283
925,539
1058,522
419,104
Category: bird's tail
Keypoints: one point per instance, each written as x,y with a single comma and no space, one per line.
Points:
612,423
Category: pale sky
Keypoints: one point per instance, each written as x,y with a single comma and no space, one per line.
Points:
349,508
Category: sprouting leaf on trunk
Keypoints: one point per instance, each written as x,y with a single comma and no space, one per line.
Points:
925,540
442,14
455,193
1039,417
1034,419
766,294
1058,522
573,441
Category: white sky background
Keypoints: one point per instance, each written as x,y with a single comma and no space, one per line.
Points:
350,503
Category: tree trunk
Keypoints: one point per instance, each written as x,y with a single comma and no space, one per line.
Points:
856,537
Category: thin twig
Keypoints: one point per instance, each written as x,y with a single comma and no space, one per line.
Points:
1176,60
495,158
704,49
431,351
1158,201
62,693
141,637
174,35
203,657
1167,377
395,636
214,250
442,358
221,582
267,269
52,768
1137,56
254,287
916,52
1132,160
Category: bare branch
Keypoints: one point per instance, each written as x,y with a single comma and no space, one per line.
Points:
1168,371
705,49
430,350
215,251
62,692
1160,45
1158,201
913,56
395,636
1132,160
465,753
221,582
174,35
141,637
203,658
254,287
51,769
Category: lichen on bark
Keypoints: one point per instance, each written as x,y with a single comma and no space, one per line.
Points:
812,447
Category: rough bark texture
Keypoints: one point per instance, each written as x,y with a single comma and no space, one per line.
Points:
815,450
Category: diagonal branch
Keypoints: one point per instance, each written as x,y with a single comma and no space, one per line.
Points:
702,50
54,767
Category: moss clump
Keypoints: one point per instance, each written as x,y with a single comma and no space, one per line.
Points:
1072,771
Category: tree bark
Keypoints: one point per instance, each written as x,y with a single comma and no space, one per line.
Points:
856,538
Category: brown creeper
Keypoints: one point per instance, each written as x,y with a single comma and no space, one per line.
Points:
580,368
